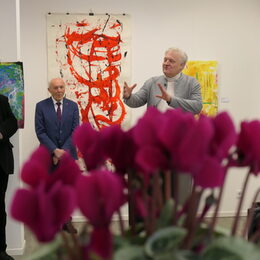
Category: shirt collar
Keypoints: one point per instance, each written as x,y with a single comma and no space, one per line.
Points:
173,78
55,101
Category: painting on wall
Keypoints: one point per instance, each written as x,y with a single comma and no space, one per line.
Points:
92,54
206,73
12,86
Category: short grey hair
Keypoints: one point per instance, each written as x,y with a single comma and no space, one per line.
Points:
183,54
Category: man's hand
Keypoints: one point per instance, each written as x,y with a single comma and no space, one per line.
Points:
128,90
165,96
1,136
58,153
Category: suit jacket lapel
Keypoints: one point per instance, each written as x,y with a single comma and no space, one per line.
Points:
51,110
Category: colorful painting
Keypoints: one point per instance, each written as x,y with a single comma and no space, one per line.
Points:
92,54
206,73
12,86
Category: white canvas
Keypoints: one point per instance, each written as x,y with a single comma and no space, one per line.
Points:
92,54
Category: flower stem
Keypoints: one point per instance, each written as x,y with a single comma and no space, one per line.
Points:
190,222
121,223
175,184
235,224
158,190
131,206
167,185
220,195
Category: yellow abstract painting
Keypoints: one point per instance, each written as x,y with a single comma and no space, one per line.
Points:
206,73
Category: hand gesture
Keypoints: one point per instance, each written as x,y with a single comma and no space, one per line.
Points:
165,96
128,90
58,153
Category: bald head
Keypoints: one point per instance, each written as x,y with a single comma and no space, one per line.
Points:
57,88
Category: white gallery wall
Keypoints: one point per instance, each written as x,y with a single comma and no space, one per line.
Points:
224,30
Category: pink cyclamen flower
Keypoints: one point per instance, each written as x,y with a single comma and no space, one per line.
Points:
100,243
151,155
248,145
194,148
100,194
38,169
49,200
225,135
211,174
145,131
186,139
119,146
151,159
89,144
43,210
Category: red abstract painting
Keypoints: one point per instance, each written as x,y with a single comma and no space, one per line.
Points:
92,54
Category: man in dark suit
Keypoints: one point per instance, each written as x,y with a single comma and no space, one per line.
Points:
52,131
55,120
8,126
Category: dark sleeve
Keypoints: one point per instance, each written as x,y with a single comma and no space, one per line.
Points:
40,129
8,124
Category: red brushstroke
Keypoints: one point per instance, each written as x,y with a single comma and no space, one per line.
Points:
101,56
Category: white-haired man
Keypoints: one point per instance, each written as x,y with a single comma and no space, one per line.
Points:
173,89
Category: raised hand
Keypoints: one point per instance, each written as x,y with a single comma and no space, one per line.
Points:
165,96
128,90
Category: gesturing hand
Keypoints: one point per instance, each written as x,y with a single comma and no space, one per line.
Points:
128,90
165,96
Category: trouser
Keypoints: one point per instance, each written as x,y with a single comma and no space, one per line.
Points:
3,187
184,187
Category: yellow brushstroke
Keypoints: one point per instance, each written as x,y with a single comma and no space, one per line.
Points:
206,73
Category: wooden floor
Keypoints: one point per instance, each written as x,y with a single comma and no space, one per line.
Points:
32,244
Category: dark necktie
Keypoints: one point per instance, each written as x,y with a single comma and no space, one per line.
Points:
59,110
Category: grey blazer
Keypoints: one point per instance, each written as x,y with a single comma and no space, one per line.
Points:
187,94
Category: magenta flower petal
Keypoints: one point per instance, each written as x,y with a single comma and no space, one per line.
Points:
210,175
141,205
225,135
36,169
67,171
100,194
87,140
118,146
151,159
194,147
44,212
248,145
146,130
101,243
174,128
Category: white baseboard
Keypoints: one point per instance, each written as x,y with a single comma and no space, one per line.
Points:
222,214
226,214
17,251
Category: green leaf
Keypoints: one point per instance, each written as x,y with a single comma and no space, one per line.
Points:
165,218
130,253
120,242
164,240
231,248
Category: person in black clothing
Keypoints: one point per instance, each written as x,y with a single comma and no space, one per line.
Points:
8,127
